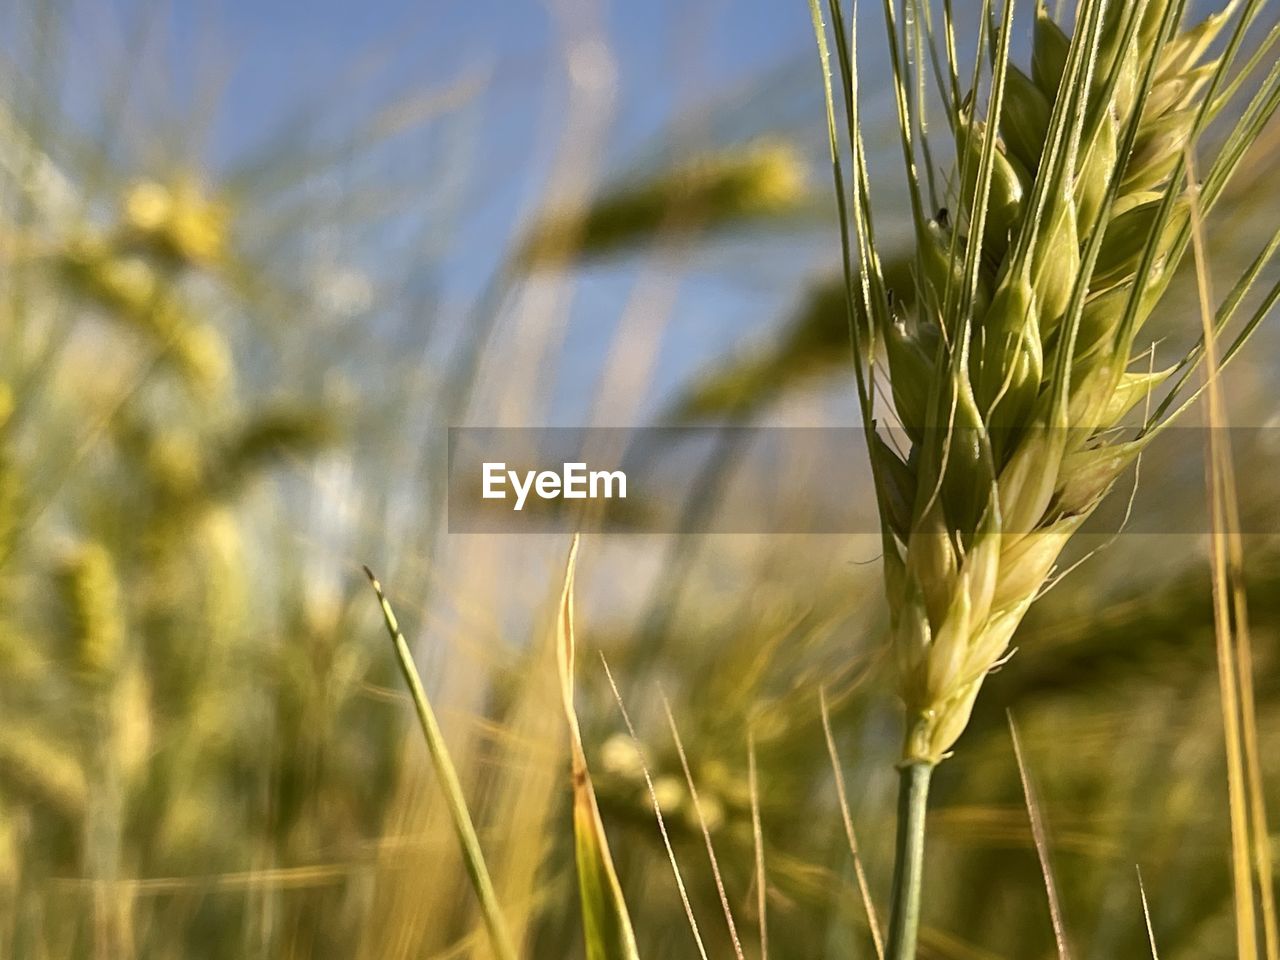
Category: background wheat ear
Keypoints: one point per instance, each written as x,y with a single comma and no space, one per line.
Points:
1014,370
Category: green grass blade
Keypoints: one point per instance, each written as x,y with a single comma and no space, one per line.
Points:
472,856
947,81
1258,113
916,57
837,172
606,923
870,272
953,64
1258,57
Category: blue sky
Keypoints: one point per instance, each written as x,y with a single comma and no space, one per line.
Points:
335,63
285,53
344,58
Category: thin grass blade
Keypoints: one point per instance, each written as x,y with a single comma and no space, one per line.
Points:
1042,845
757,836
1146,917
706,832
473,857
864,889
657,812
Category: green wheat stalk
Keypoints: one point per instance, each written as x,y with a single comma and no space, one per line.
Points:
1011,379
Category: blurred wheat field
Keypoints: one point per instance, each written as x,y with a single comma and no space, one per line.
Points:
227,365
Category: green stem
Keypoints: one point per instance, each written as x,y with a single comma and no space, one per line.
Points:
472,857
913,801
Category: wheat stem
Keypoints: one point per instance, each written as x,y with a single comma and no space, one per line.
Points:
908,870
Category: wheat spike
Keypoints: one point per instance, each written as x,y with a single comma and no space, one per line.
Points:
1011,373
1010,376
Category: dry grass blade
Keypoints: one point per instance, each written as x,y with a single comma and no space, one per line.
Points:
1146,916
496,925
757,836
706,832
864,889
606,923
657,812
1042,845
1235,672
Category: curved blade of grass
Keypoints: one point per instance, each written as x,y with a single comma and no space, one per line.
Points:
472,856
872,281
916,52
606,924
1264,309
1259,112
973,249
1257,58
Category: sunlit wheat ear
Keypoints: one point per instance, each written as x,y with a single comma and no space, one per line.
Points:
1018,364
1067,221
